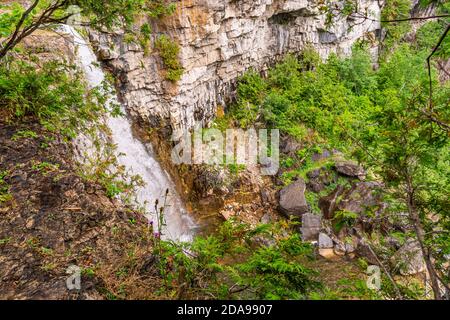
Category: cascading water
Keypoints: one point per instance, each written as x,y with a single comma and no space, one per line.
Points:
137,158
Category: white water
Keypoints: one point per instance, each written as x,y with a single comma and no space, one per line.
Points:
138,159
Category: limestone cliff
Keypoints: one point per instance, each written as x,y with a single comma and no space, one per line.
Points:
220,40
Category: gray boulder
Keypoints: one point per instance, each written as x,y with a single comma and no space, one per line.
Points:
325,241
319,179
292,199
350,169
361,196
311,226
325,154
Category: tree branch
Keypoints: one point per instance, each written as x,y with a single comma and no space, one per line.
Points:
365,17
10,44
441,39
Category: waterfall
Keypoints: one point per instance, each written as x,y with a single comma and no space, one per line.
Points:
137,158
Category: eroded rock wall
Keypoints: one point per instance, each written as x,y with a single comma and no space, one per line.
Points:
219,41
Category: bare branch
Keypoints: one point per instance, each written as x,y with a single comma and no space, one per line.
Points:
363,16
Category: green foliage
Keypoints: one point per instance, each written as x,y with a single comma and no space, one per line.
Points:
113,189
121,13
405,147
60,101
160,8
396,10
169,50
335,98
10,18
5,241
252,87
288,162
235,262
88,272
46,251
275,272
235,168
44,167
344,218
428,34
356,72
58,97
144,37
306,93
356,289
23,134
103,168
380,117
99,14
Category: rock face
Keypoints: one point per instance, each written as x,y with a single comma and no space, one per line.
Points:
219,41
350,169
292,199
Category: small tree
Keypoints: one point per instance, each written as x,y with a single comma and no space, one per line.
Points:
18,22
410,153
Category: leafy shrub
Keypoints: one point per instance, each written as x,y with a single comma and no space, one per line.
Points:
233,263
144,37
395,10
54,93
252,87
356,72
275,272
5,195
169,51
427,36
